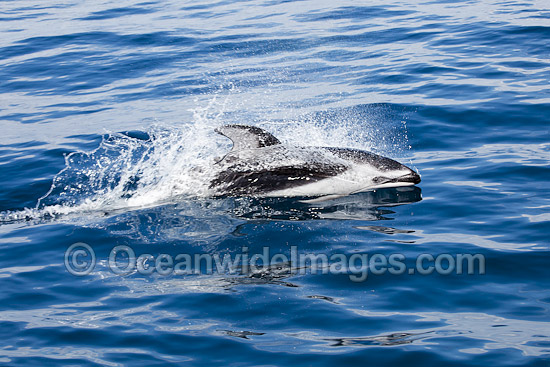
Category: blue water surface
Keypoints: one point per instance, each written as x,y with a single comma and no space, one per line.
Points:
107,118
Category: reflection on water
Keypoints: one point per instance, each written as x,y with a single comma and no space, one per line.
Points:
209,220
240,334
386,340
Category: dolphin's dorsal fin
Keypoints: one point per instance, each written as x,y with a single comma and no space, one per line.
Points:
247,137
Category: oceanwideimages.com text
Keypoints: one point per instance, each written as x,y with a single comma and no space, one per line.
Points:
80,259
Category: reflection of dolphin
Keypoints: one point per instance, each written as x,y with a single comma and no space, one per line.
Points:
361,206
209,221
259,165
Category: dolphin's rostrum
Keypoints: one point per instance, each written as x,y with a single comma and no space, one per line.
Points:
260,165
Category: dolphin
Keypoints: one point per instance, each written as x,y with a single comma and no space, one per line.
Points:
260,165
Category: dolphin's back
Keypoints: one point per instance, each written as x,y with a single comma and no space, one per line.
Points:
364,157
235,181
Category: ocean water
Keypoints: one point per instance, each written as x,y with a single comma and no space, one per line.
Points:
107,118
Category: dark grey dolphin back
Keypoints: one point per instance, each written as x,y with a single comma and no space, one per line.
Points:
362,157
247,137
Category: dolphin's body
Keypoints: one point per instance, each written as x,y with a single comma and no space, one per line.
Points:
259,165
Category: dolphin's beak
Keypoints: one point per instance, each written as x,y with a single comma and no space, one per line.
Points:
412,177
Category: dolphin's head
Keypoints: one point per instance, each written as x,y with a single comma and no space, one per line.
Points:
385,172
377,171
397,179
391,173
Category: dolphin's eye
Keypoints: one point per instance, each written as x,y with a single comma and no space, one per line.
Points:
379,179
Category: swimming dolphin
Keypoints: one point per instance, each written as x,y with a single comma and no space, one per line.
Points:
260,165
